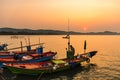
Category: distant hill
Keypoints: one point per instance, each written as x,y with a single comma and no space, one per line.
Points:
13,31
103,33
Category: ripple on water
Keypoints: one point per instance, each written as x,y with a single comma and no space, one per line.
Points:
109,73
98,73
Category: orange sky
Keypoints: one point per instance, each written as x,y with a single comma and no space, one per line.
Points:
89,15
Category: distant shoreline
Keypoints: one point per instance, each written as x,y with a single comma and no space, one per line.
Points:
13,31
57,34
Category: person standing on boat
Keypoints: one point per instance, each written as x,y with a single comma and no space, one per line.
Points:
72,49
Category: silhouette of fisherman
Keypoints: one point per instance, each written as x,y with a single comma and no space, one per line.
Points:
72,49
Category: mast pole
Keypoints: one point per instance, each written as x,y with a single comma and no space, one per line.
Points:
68,35
28,41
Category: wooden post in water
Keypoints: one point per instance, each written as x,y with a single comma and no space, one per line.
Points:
85,45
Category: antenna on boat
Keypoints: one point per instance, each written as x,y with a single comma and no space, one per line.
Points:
29,46
68,25
28,41
70,49
40,45
39,40
21,46
68,35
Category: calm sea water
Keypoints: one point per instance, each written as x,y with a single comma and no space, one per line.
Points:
104,66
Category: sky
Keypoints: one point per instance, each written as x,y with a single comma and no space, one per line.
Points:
84,15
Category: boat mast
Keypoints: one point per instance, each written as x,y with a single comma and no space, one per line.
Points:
68,35
28,41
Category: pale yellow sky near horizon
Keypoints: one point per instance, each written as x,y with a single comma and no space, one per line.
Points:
89,15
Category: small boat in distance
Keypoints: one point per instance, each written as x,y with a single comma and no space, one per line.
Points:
16,37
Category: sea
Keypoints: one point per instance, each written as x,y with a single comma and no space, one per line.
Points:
105,65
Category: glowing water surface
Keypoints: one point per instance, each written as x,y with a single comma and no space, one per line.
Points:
103,66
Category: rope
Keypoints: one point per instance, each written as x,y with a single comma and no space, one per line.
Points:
40,76
1,77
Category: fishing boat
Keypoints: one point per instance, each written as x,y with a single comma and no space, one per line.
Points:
5,52
28,58
39,68
55,65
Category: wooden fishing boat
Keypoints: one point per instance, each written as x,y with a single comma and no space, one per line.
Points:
5,54
52,66
28,58
37,68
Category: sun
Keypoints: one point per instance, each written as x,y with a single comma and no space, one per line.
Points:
84,29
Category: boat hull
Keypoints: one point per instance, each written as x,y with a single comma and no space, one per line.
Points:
40,59
9,54
22,71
